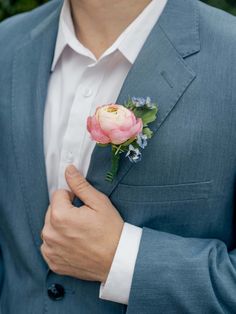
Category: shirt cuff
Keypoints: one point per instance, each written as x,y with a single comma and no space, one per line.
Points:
118,284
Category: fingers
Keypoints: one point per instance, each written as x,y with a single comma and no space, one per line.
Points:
83,189
62,199
57,214
51,258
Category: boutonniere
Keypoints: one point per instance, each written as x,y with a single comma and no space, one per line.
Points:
124,128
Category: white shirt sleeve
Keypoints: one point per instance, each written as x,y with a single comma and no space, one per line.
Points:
118,284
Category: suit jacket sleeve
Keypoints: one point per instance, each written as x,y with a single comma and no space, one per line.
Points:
183,275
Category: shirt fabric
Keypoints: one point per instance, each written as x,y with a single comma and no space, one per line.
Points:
78,84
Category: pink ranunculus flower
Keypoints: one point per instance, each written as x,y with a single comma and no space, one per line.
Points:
113,124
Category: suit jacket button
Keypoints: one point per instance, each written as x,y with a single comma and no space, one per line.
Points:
56,292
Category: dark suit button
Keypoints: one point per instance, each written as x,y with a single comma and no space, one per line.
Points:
56,292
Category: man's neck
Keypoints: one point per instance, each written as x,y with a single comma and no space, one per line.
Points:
98,23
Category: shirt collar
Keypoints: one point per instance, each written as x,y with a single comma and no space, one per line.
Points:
129,43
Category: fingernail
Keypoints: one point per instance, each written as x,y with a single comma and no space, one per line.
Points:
71,170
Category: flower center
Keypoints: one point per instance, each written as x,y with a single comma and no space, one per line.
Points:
112,110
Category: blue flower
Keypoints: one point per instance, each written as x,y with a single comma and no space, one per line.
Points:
141,102
149,103
138,101
134,154
142,140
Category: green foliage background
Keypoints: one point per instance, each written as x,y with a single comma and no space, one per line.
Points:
11,7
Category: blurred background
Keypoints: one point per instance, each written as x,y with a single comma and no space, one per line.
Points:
11,7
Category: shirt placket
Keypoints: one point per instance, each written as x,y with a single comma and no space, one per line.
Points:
72,143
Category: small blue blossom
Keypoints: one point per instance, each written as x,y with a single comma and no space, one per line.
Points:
134,154
141,102
142,140
148,101
138,101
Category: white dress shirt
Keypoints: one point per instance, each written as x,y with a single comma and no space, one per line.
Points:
78,84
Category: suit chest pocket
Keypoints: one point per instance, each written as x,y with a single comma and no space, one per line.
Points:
167,208
164,193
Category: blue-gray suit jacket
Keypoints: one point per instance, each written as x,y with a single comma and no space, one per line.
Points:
182,192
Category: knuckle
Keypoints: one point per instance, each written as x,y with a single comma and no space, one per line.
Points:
80,183
46,251
47,236
58,195
55,195
55,268
102,197
82,215
56,217
62,193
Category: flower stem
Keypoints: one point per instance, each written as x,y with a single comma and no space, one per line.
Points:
114,164
117,150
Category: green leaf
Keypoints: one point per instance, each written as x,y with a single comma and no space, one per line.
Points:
147,132
147,115
129,105
135,145
127,143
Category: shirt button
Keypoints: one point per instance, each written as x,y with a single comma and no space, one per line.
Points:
56,292
87,92
69,157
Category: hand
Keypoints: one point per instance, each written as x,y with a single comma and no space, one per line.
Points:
81,241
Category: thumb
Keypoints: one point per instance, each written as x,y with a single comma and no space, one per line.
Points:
82,188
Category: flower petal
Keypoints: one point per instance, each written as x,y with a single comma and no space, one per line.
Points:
96,131
137,128
119,136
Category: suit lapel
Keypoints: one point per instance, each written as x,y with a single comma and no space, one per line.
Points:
31,71
159,72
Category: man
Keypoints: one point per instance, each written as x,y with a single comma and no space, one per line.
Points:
160,238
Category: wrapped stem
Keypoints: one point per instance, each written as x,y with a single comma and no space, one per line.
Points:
114,164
